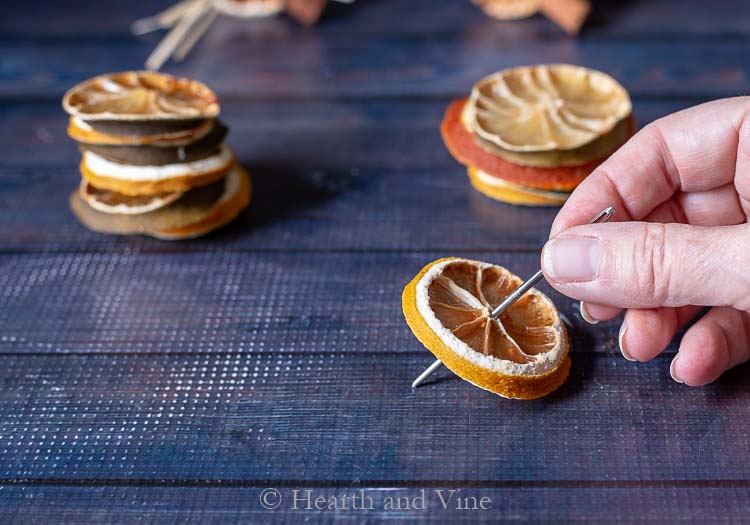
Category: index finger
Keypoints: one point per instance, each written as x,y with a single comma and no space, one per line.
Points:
691,150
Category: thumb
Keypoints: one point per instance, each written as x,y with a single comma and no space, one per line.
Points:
647,265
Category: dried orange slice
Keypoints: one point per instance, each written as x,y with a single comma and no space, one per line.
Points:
521,355
509,9
546,107
504,191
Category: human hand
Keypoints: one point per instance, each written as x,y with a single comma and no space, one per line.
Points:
685,179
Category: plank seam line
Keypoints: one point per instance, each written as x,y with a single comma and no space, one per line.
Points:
384,483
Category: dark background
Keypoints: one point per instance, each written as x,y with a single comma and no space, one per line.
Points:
176,381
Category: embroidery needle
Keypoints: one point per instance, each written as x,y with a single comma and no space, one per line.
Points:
602,216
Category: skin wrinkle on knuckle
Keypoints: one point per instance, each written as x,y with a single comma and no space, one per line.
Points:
668,161
670,173
650,266
614,190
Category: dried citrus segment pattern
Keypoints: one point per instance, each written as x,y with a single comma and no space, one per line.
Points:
547,107
521,355
137,95
462,298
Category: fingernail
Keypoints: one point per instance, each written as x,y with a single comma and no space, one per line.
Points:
585,314
621,340
671,371
572,259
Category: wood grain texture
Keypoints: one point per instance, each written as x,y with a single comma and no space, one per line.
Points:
172,383
217,301
328,175
312,64
274,416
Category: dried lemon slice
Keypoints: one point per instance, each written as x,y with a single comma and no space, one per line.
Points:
140,95
522,355
509,9
546,107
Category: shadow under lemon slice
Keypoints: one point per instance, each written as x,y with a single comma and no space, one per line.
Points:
521,355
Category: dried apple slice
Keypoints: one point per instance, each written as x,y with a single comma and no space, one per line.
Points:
521,355
546,107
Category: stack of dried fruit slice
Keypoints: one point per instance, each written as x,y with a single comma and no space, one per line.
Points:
523,354
154,160
530,135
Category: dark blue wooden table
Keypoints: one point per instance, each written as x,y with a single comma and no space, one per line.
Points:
176,382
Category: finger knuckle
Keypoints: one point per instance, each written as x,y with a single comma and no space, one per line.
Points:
652,267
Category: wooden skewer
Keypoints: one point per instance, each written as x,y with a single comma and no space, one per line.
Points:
192,38
176,35
188,20
163,20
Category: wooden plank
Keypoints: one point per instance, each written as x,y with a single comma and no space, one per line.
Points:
309,65
267,416
126,504
336,175
657,18
216,301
